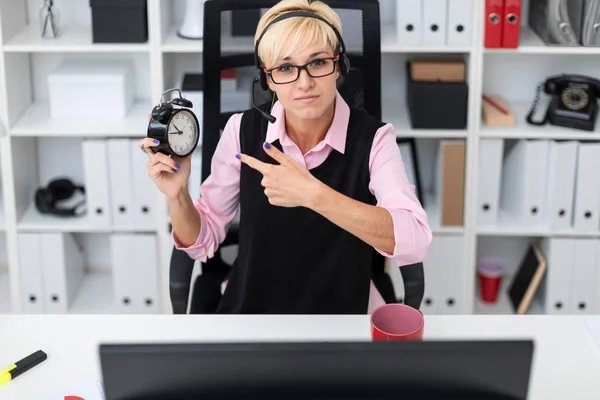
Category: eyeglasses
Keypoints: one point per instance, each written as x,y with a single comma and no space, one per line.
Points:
288,73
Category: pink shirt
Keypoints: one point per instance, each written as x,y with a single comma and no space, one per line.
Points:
219,199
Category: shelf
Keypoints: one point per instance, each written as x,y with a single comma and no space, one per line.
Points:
523,130
398,116
509,226
503,305
530,43
72,39
36,121
33,221
95,296
5,307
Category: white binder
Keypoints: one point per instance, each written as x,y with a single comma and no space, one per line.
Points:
449,280
559,253
409,20
434,22
145,265
583,286
145,192
596,309
523,195
124,274
31,273
120,182
460,23
443,276
97,185
63,270
488,182
562,164
586,215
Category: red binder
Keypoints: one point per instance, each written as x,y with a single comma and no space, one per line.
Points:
493,23
512,23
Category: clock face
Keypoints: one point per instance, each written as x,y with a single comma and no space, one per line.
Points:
182,133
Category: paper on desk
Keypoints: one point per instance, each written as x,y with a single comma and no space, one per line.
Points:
89,390
594,328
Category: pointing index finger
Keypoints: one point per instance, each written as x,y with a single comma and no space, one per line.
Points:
254,163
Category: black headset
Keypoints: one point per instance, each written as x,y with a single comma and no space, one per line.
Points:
343,61
58,190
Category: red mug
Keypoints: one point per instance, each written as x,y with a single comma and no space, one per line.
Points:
396,322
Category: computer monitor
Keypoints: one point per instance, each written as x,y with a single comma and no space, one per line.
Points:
318,371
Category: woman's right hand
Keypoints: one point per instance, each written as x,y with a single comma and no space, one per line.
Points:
170,174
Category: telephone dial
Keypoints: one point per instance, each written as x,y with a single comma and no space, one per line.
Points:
573,104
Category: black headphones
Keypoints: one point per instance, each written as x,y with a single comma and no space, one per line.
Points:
58,190
343,61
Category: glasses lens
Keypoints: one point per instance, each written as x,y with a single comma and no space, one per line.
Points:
288,73
321,67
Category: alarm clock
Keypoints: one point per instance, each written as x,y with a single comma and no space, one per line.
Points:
175,126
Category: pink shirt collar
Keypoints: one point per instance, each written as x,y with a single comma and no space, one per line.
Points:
335,136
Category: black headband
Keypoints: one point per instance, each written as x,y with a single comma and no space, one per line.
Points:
298,13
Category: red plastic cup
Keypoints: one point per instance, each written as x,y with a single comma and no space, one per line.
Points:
395,321
490,277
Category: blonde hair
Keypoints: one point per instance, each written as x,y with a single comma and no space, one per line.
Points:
286,37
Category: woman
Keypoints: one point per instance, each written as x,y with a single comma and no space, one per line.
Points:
317,190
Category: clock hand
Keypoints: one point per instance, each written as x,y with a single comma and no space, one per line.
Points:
178,130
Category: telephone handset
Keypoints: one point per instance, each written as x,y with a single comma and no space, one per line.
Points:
574,102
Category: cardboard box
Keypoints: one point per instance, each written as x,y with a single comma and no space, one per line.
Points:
438,70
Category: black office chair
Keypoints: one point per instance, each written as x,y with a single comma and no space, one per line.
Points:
360,88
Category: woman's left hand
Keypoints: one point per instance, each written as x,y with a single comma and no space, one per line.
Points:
288,184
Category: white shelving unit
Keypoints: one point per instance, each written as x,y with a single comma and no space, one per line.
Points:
34,147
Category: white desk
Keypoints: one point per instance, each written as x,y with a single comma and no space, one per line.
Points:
566,363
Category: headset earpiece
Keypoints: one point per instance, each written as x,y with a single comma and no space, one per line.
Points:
61,189
344,64
43,200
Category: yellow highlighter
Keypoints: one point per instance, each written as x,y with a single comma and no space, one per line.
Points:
24,365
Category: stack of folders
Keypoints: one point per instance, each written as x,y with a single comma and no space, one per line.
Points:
55,274
120,194
444,289
572,281
434,22
536,184
548,185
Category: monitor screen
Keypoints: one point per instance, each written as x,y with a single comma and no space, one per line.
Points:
318,371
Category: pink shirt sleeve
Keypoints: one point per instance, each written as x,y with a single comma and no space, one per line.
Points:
389,184
219,195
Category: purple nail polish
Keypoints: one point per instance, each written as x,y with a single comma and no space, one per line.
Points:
238,156
155,141
177,166
267,145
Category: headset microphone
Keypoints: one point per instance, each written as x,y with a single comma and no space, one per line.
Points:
265,114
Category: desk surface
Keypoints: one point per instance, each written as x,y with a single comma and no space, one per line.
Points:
566,362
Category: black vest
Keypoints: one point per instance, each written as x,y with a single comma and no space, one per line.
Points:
293,260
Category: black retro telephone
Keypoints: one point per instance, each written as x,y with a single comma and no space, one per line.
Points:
574,102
